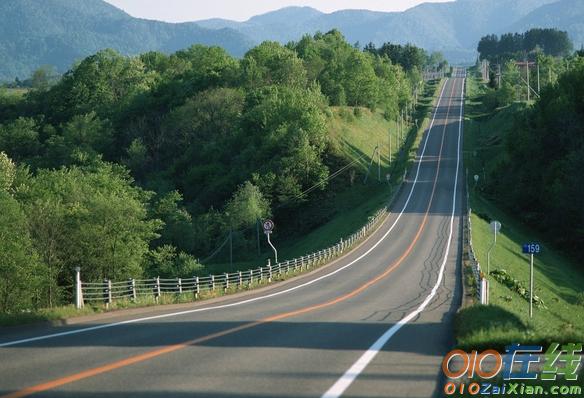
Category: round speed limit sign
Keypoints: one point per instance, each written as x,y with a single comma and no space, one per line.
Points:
268,226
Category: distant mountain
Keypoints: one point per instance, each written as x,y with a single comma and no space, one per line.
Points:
453,28
567,14
58,32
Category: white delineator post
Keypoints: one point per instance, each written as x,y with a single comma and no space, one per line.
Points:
484,291
78,289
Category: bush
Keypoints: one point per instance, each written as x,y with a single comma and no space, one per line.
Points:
580,299
346,115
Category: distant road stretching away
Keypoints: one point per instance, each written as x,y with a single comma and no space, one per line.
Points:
375,323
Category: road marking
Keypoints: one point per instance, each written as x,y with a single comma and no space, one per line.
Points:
357,368
168,349
243,302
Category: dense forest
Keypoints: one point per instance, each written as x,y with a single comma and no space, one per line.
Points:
539,176
548,52
139,166
551,42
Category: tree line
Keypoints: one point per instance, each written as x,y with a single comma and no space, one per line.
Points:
540,176
553,42
137,166
548,52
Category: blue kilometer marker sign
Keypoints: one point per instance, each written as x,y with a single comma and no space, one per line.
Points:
531,248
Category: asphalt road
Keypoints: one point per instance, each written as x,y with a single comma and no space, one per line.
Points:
376,323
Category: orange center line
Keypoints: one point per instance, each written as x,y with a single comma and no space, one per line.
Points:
175,347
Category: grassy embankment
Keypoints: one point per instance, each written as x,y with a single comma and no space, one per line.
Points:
354,134
558,282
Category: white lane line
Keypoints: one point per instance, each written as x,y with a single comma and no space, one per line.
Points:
355,370
238,303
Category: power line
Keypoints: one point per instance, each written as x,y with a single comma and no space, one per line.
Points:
305,192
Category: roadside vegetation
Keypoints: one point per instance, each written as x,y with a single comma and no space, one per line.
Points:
525,157
356,204
145,166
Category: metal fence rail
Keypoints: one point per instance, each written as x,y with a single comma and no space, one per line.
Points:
108,291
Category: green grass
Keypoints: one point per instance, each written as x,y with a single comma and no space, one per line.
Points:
13,92
45,315
19,92
558,282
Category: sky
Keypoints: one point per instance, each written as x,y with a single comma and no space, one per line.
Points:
241,10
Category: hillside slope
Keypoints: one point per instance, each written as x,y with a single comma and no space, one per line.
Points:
452,27
569,14
557,313
73,29
59,32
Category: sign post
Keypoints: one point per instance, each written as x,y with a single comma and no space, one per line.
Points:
531,249
268,229
495,227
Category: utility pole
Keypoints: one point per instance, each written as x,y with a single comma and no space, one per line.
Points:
230,244
401,124
538,86
378,162
258,235
499,76
389,146
528,88
375,153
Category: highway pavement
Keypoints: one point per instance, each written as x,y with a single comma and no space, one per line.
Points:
375,323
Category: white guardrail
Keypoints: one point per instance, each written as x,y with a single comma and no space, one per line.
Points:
481,283
108,291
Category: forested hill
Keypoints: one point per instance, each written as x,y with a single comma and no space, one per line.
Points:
60,32
140,165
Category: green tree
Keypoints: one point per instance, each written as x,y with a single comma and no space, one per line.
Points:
89,217
178,229
166,262
7,172
88,133
271,63
246,206
20,139
361,83
543,157
19,264
276,121
105,83
43,77
207,120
